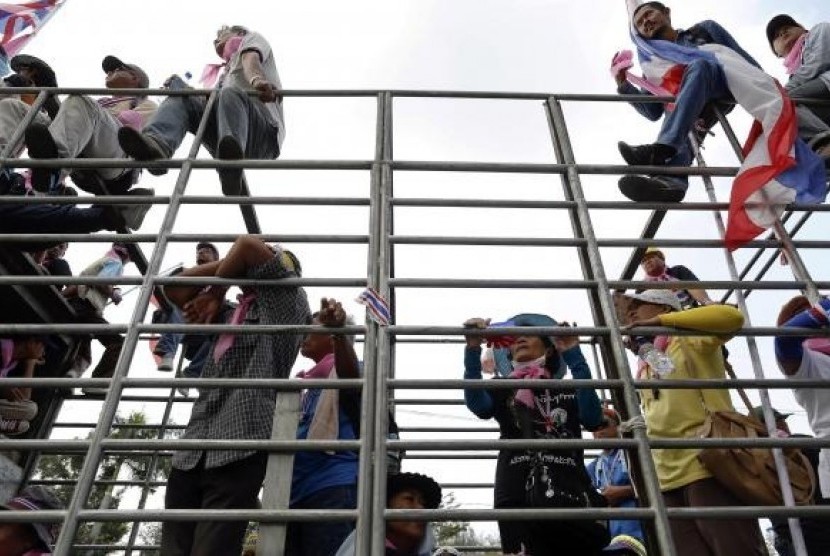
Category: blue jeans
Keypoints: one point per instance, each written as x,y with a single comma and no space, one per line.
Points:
194,370
169,342
703,82
52,219
321,538
237,114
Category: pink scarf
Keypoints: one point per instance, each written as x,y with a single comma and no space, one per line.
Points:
821,345
6,352
525,395
661,343
793,59
225,341
212,72
325,424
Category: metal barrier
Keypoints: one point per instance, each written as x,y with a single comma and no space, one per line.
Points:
379,383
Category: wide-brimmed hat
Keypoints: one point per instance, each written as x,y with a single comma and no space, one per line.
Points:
625,545
112,63
502,356
658,297
34,498
429,489
45,74
758,413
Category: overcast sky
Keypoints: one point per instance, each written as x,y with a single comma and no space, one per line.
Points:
508,45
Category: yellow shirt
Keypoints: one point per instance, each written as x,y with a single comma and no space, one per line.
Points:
680,413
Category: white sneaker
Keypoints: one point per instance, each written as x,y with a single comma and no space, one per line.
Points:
24,411
167,362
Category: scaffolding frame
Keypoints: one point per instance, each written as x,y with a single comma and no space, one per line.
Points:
379,383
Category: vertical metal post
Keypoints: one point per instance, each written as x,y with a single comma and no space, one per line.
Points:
86,477
606,309
755,358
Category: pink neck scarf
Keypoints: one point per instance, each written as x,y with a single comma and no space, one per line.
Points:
321,370
212,72
793,59
525,395
325,424
821,345
225,341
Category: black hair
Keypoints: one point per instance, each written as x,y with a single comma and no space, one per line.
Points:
208,245
659,5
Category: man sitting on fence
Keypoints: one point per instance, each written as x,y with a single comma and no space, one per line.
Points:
225,479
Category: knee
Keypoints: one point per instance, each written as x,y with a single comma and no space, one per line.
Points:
231,94
12,105
702,66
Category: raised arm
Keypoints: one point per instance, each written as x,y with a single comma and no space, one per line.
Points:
477,400
590,407
789,349
345,358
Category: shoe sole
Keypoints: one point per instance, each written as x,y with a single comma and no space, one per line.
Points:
135,214
16,412
22,428
41,144
643,189
231,180
136,145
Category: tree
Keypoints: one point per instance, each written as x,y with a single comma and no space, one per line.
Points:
104,494
460,533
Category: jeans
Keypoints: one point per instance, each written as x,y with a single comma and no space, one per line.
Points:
703,82
83,129
169,342
812,120
322,538
236,113
197,363
52,219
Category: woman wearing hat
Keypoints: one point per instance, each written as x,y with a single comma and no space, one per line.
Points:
405,491
543,413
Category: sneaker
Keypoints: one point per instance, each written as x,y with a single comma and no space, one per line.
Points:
652,189
142,147
167,362
184,391
654,154
41,144
13,427
95,392
133,215
231,179
24,411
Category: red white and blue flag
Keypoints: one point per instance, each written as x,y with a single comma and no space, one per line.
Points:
778,168
20,21
376,307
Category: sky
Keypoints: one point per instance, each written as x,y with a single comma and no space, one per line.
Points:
450,45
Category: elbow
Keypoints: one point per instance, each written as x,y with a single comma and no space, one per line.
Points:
733,319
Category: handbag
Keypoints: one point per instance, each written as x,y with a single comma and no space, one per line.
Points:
750,473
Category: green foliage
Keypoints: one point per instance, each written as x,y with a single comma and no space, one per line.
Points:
459,533
113,467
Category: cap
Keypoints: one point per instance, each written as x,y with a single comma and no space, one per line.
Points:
658,297
776,23
45,74
112,63
758,413
34,498
208,245
625,544
429,489
653,251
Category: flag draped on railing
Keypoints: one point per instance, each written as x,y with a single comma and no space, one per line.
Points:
778,167
19,22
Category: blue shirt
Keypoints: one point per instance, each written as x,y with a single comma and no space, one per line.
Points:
314,471
610,469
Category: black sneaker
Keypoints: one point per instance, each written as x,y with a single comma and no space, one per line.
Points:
654,154
231,179
652,189
41,144
142,147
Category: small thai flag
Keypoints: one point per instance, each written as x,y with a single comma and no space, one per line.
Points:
376,307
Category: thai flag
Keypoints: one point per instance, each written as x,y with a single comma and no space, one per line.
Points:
778,167
376,307
19,22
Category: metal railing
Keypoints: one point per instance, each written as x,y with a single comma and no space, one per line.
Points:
380,383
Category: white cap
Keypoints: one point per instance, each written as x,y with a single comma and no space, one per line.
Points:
658,297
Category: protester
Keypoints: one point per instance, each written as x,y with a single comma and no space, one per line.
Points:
654,266
609,475
30,539
806,56
549,413
325,480
225,479
54,262
18,357
85,128
696,82
89,303
241,125
679,413
30,71
405,491
169,342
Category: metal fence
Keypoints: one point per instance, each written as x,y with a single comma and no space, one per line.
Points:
379,383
